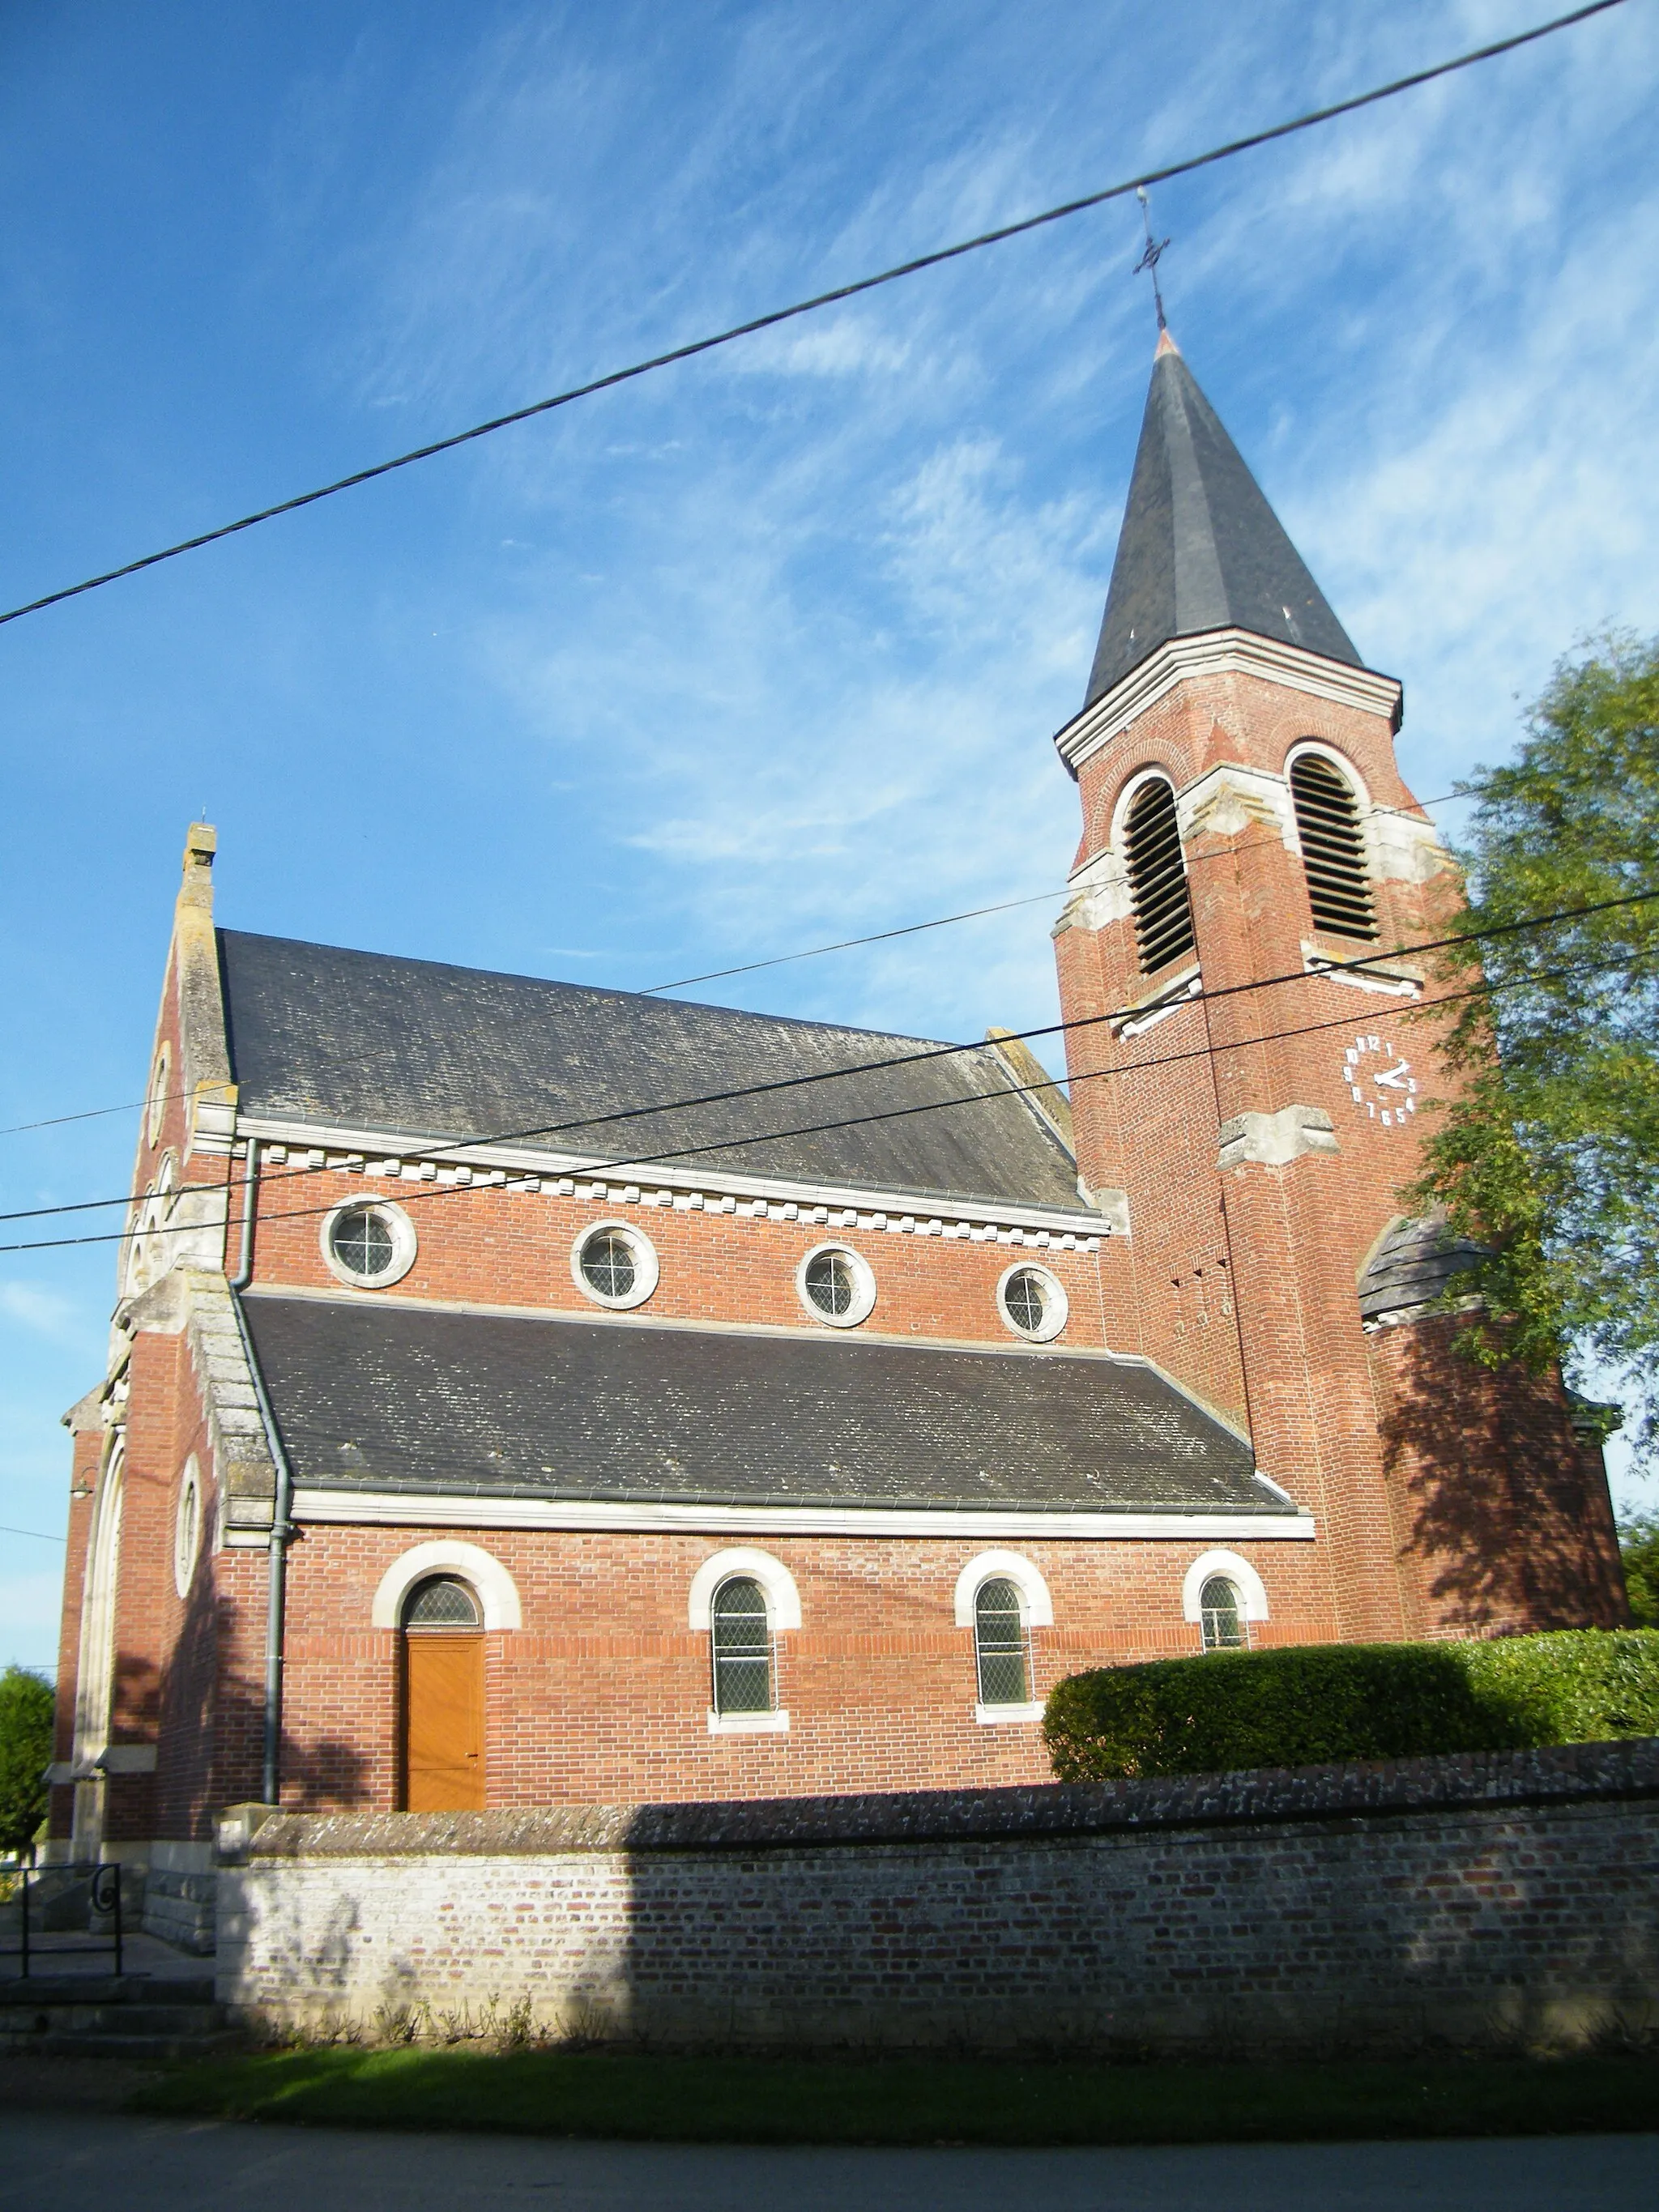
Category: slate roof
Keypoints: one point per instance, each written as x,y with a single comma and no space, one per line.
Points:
1200,548
370,1394
412,1048
1412,1266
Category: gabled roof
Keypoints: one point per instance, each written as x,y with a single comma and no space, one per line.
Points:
372,1395
1200,548
408,1048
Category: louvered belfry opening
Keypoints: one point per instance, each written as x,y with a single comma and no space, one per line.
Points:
1158,878
1332,848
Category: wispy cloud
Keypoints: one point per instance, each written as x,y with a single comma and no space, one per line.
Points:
42,1311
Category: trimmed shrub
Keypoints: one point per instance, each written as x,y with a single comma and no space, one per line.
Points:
1302,1704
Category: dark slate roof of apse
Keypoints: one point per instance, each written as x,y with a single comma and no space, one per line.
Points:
409,1048
1200,548
1412,1266
369,1394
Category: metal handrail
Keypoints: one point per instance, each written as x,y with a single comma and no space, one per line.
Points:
103,1896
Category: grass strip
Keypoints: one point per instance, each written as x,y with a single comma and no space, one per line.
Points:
901,2101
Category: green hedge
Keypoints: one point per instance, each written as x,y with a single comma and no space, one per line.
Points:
1304,1703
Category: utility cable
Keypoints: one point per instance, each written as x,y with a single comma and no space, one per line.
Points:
159,1099
769,321
447,1148
610,1169
729,1144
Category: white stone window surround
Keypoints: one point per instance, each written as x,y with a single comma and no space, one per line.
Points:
398,1226
864,1286
1154,772
496,1591
187,1527
1037,1610
1056,1310
1252,1592
782,1612
646,1271
777,1585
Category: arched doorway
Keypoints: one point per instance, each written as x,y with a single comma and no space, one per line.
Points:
443,1699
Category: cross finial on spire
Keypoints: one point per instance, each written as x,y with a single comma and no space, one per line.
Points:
1151,256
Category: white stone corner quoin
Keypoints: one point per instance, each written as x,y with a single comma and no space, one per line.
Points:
782,1598
498,1594
1035,1605
1239,1572
1276,1139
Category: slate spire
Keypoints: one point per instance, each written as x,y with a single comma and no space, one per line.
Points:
1200,548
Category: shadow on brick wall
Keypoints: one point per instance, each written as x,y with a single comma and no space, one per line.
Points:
207,1718
1508,1519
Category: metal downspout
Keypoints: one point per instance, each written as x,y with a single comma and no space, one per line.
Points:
281,1527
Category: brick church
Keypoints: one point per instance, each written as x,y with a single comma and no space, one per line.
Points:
523,1393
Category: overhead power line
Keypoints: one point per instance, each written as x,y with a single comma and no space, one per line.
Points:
159,1099
450,1148
630,1162
819,299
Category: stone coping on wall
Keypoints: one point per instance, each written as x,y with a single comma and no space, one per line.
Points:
1583,1772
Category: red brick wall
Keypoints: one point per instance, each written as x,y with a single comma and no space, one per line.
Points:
502,1247
1501,1516
1245,1281
603,1694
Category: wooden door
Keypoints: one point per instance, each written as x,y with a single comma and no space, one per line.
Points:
443,1724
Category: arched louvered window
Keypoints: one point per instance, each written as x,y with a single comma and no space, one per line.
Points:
1332,848
1158,877
999,1644
742,1643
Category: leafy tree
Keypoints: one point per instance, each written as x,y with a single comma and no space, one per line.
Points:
26,1714
1639,1547
1550,1157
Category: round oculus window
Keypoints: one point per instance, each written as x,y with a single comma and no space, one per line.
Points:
187,1530
613,1264
368,1243
835,1286
158,1092
1032,1303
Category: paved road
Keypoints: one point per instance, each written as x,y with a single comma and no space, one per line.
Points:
96,2162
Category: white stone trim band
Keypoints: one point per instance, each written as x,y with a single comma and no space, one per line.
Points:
1223,652
466,1510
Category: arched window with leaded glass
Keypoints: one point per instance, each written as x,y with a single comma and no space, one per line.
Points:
1222,1612
741,1648
1001,1644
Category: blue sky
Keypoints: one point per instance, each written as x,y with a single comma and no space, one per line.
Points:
766,650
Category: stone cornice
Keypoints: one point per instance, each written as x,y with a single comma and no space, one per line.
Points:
1223,652
468,1509
520,1167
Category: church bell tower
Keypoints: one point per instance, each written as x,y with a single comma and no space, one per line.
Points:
1250,1062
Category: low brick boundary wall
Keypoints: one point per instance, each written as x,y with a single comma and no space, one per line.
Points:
1487,1902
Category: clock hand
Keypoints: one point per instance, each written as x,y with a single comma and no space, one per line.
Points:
1394,1076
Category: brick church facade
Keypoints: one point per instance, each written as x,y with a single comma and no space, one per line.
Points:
523,1393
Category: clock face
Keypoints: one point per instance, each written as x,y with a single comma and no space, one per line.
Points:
1380,1079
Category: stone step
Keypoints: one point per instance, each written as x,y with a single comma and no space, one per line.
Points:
141,2047
53,1989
